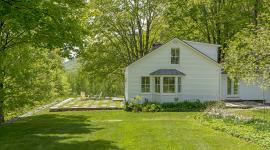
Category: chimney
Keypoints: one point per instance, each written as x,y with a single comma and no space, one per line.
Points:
156,45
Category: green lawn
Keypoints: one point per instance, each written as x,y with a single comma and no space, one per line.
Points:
100,130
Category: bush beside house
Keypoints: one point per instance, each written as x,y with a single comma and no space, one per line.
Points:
182,106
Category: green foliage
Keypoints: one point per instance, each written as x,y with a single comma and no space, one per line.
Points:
187,106
211,20
248,55
29,30
250,129
133,105
42,23
184,106
109,86
34,76
121,33
151,107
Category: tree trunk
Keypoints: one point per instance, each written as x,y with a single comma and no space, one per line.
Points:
2,91
2,119
256,12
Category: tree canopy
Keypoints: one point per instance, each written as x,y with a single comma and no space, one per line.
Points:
247,56
28,31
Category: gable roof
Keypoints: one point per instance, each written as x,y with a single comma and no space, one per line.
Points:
199,51
202,43
183,42
167,72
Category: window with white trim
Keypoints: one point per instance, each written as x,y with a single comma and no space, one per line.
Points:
175,55
179,84
168,85
157,84
232,86
145,84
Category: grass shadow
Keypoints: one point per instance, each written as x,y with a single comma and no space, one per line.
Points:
52,132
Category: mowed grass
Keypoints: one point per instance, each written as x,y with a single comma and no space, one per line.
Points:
100,130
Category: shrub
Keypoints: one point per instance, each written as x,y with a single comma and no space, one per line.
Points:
185,106
151,107
133,105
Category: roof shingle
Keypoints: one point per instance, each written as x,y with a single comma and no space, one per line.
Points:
167,72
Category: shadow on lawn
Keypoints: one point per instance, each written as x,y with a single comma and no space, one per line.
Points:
52,132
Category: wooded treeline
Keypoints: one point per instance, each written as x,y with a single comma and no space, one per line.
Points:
108,35
34,35
122,31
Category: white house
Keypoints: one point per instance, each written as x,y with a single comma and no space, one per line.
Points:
185,70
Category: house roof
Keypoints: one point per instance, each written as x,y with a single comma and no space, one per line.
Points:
203,43
186,43
167,72
199,51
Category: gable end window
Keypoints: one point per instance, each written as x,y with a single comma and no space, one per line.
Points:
145,84
175,55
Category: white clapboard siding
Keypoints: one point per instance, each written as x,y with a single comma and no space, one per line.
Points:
200,82
267,95
203,79
246,91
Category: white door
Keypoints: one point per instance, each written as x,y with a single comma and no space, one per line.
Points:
232,88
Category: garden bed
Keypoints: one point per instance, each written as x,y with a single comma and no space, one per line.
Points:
248,124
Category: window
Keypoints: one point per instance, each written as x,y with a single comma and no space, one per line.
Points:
235,87
175,52
145,84
179,85
232,86
229,86
168,85
157,84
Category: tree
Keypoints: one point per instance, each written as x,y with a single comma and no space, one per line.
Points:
33,76
122,31
213,21
130,26
248,56
47,24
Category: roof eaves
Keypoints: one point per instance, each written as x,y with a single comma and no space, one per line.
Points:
200,52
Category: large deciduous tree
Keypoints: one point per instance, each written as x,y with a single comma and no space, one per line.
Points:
45,24
122,32
213,21
248,56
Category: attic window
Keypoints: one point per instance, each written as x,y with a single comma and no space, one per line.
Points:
175,54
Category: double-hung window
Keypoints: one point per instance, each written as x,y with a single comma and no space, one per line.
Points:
175,55
145,84
168,85
232,87
157,84
179,85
